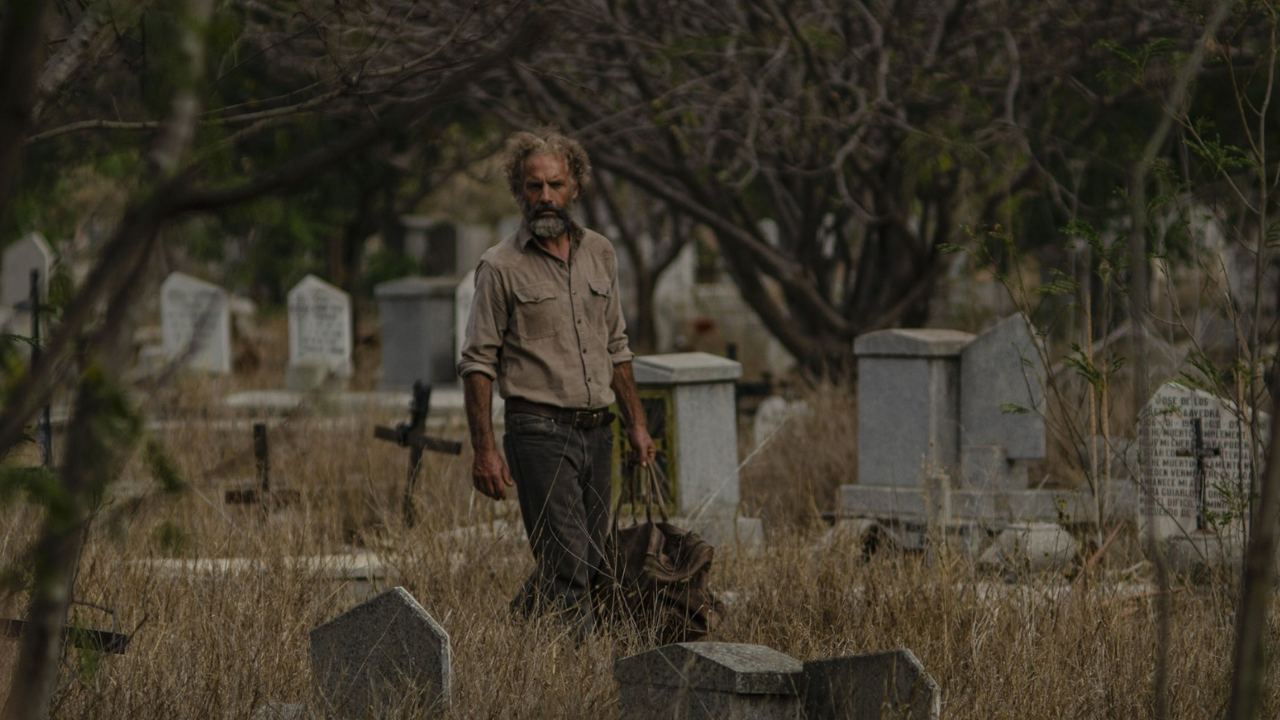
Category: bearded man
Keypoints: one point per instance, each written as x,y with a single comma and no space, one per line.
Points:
547,326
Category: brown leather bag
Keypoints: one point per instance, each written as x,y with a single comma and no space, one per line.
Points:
656,574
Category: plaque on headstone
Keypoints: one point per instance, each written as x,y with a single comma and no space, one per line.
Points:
196,322
1196,460
320,327
31,252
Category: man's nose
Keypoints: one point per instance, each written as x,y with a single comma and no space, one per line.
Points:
544,195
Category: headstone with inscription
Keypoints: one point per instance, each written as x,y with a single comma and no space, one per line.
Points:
30,252
319,332
1196,459
196,323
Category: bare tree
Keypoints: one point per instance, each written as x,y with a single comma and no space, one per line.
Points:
869,132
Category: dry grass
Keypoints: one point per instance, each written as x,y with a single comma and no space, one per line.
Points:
221,645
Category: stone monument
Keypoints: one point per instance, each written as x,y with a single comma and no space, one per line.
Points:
416,318
690,405
196,323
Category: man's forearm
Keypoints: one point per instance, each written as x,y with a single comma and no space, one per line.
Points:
478,394
624,387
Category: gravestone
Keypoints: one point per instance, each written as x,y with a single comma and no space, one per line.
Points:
383,655
319,332
30,252
196,323
1195,459
889,685
773,413
462,300
416,321
709,680
1001,405
908,400
936,443
689,402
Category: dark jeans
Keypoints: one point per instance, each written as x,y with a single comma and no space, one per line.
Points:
562,477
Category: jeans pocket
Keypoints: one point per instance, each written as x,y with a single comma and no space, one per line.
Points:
530,424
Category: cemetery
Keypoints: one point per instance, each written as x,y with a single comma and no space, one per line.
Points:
942,345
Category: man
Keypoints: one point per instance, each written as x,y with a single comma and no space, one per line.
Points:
546,325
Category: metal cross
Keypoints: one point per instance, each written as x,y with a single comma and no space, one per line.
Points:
262,493
1201,454
412,436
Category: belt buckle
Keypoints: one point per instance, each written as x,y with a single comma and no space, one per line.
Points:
584,419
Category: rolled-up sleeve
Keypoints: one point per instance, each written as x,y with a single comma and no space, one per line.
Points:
486,326
619,347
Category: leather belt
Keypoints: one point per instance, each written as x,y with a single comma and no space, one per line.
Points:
580,419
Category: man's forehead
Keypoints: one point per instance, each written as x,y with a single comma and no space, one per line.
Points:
545,165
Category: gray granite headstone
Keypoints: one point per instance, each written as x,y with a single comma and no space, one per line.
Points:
888,685
1166,429
383,655
319,328
1002,391
30,252
195,319
709,680
416,317
908,399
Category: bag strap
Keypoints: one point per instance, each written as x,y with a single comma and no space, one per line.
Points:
648,481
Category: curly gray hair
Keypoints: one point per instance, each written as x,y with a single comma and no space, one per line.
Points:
523,144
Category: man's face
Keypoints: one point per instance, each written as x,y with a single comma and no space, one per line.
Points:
548,190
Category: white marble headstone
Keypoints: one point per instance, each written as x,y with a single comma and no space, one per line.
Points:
31,252
1168,462
320,326
196,321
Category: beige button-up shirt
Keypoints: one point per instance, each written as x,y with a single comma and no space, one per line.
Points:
547,330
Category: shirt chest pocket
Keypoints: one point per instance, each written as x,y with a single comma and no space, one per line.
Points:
536,311
598,303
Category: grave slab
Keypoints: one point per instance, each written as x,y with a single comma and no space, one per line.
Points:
889,685
380,655
1031,547
196,323
709,680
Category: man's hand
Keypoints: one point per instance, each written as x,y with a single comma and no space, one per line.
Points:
490,475
643,450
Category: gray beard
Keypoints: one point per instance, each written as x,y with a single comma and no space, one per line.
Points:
548,227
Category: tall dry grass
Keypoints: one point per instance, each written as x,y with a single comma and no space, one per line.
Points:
222,644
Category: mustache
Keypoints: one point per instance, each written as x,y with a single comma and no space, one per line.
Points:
546,207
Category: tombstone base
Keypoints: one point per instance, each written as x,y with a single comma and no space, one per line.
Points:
997,507
641,702
312,378
1202,555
